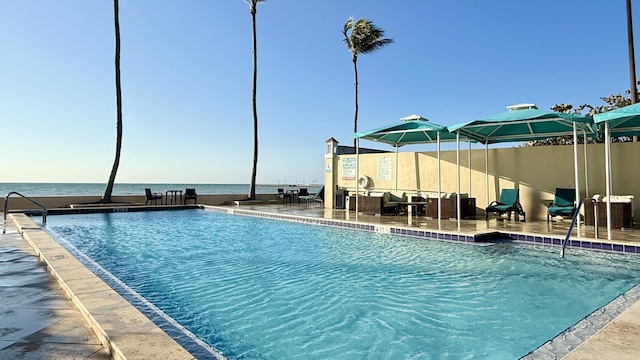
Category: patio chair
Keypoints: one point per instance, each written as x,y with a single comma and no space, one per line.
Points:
283,195
391,201
303,193
190,194
151,196
563,203
508,202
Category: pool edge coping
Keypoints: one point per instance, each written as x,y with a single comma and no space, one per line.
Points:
599,245
517,237
49,251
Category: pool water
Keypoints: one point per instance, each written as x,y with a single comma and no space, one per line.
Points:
257,288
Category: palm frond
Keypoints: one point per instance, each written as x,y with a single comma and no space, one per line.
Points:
362,36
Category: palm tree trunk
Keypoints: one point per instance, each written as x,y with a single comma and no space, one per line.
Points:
355,116
252,186
106,197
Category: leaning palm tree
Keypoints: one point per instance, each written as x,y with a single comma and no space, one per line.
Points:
361,37
106,197
252,186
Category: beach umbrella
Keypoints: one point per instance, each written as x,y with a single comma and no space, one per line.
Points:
525,122
618,122
411,130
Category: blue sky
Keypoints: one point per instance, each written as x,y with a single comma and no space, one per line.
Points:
187,67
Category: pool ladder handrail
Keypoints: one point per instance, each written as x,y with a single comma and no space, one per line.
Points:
576,215
6,204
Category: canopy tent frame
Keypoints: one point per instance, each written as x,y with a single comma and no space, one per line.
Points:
412,130
525,122
624,121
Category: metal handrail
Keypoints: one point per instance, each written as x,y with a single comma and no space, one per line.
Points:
576,215
6,204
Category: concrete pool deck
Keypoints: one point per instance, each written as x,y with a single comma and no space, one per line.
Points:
36,329
96,322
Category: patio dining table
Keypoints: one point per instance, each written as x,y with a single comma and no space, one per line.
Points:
412,207
293,195
173,197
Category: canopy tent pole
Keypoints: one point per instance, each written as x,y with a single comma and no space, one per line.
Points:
486,169
607,165
396,175
458,177
575,166
439,186
469,162
586,172
357,175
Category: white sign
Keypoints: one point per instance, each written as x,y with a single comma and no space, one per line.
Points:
385,170
349,169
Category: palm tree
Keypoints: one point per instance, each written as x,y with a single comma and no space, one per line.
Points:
252,186
106,197
361,37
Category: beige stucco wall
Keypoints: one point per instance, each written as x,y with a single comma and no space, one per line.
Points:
536,171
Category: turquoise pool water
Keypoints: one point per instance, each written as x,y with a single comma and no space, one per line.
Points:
258,288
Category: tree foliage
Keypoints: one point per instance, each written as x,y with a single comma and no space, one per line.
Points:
361,37
612,102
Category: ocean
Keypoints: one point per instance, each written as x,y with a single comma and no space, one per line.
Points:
97,189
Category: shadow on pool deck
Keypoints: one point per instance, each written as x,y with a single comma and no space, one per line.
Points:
38,319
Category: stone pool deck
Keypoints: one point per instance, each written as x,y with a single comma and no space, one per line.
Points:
53,307
69,313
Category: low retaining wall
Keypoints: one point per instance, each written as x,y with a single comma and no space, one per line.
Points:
52,202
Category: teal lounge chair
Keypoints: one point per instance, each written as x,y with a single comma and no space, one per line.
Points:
563,203
508,202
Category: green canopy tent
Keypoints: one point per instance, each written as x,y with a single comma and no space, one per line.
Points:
412,130
624,121
525,122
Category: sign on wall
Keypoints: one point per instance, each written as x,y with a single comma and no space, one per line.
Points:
349,169
385,169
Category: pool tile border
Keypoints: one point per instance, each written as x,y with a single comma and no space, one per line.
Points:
557,347
534,239
585,244
95,301
572,337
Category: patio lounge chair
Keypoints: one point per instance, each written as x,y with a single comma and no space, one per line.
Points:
190,194
319,196
151,196
563,203
508,202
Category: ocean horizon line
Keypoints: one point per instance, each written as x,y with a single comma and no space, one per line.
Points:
159,183
97,189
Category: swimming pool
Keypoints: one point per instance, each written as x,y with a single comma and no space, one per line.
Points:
262,288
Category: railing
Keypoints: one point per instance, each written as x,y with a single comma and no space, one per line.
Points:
6,204
576,215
